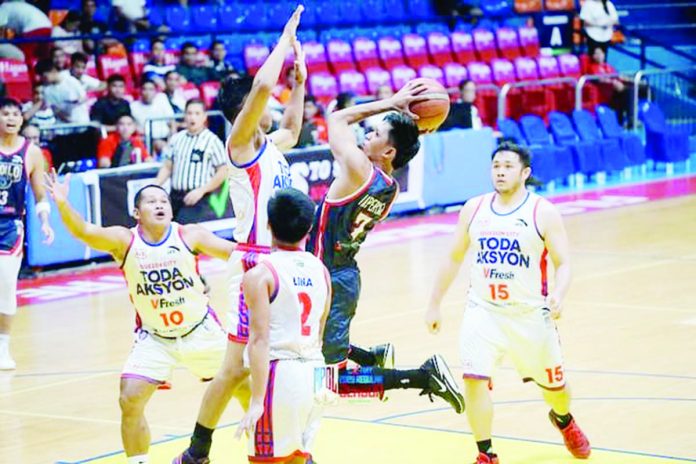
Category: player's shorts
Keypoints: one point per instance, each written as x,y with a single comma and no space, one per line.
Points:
153,358
345,288
291,416
530,339
245,257
11,238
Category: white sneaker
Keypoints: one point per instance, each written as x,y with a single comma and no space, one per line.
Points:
6,361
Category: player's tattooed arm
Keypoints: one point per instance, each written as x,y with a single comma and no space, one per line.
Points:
114,240
201,240
288,134
246,124
258,287
556,242
450,268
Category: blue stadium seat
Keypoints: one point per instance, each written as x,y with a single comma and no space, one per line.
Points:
178,18
230,17
396,12
542,155
630,142
204,18
498,8
254,17
664,143
536,134
421,9
156,16
307,36
233,43
588,157
141,46
614,157
426,28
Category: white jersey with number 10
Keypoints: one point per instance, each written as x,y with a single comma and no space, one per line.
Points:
510,262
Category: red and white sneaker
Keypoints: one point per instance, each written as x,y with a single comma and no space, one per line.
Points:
484,458
575,440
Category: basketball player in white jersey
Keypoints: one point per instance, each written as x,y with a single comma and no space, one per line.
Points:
257,168
512,233
174,324
288,296
21,164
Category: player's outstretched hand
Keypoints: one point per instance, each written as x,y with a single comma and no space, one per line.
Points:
409,93
433,320
554,305
57,190
248,422
300,63
290,30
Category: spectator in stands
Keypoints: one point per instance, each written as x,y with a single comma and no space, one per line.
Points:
599,18
38,112
78,68
27,22
383,91
89,25
173,91
613,89
282,91
129,16
464,114
190,69
157,68
108,109
63,93
345,100
69,27
32,133
196,162
221,67
153,104
122,147
59,58
314,130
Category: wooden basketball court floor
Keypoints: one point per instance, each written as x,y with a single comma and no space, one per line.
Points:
628,332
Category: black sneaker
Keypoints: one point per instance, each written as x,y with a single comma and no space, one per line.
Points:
185,458
442,383
384,355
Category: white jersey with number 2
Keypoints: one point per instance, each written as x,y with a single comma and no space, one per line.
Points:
510,259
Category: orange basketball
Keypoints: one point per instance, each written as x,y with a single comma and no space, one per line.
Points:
433,111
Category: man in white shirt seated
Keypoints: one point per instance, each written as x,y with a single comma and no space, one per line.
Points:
78,70
153,104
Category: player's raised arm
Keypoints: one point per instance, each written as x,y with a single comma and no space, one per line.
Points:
114,240
258,287
556,242
342,141
450,268
247,122
289,132
35,168
201,240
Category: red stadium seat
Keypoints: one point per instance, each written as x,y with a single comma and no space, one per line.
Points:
503,71
390,52
527,6
401,75
432,72
340,56
463,47
484,42
315,56
138,60
15,75
486,99
508,45
415,50
529,41
539,100
111,64
376,78
190,90
352,81
254,56
570,66
440,48
91,68
209,92
455,73
365,51
323,87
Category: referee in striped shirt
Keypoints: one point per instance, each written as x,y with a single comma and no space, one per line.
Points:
195,161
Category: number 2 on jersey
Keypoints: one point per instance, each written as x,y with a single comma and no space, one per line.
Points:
499,292
306,303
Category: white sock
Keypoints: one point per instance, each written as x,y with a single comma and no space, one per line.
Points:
4,339
142,459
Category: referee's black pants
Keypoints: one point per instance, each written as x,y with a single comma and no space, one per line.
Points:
184,214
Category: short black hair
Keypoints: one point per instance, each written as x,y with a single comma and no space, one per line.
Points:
79,57
154,41
233,91
403,136
139,193
147,80
115,78
7,102
343,98
217,42
290,215
194,101
524,155
169,73
44,66
188,45
464,82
